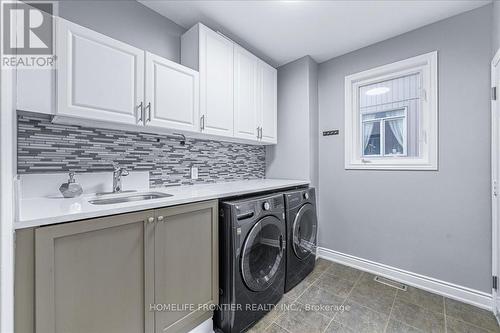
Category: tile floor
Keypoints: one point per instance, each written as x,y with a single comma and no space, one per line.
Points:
315,306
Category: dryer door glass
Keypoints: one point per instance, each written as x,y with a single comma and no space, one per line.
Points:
262,253
304,231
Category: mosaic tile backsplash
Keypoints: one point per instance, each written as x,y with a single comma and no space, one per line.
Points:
44,147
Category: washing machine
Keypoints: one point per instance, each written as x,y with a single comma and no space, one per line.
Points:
252,249
301,229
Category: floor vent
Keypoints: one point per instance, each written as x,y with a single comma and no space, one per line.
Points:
390,283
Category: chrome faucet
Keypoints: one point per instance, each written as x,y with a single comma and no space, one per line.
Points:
118,172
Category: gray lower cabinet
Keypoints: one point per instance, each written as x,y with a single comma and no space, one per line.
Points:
150,271
89,275
185,265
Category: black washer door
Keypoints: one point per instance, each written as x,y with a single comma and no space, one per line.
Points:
304,231
262,253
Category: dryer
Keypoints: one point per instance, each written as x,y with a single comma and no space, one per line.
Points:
252,260
301,229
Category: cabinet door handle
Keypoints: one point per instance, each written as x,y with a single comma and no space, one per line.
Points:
160,218
140,111
261,132
202,122
151,219
258,132
148,107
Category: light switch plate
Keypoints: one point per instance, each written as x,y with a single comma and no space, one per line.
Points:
331,132
194,172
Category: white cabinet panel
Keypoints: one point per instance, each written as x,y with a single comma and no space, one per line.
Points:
172,95
216,83
36,90
246,94
269,106
98,77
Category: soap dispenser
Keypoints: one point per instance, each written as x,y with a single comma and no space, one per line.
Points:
71,189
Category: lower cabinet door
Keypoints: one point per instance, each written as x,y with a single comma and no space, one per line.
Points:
186,266
90,275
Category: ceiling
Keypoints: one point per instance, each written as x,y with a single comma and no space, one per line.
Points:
282,31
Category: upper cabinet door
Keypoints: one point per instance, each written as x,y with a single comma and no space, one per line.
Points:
216,83
246,96
269,104
172,95
98,77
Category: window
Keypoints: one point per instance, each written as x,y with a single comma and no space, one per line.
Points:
391,116
384,133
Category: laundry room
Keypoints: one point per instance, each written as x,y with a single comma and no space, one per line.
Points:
230,166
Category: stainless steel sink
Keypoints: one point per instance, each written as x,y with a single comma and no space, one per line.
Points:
130,198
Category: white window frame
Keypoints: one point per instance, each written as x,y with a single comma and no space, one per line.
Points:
382,122
427,66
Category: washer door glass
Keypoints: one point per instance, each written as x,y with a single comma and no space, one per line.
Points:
304,231
262,253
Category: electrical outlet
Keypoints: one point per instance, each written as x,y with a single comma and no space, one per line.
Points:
194,172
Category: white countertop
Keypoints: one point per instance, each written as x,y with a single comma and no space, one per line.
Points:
50,210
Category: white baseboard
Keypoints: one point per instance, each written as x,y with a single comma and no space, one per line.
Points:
450,290
205,327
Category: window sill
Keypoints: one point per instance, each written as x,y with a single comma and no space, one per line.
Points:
417,165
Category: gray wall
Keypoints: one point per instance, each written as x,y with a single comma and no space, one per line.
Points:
496,26
295,155
129,22
433,223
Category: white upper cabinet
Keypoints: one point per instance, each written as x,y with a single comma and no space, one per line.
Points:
255,98
172,95
246,94
98,77
269,104
220,90
216,82
238,91
212,55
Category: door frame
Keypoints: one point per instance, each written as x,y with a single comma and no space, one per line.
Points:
8,162
495,179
